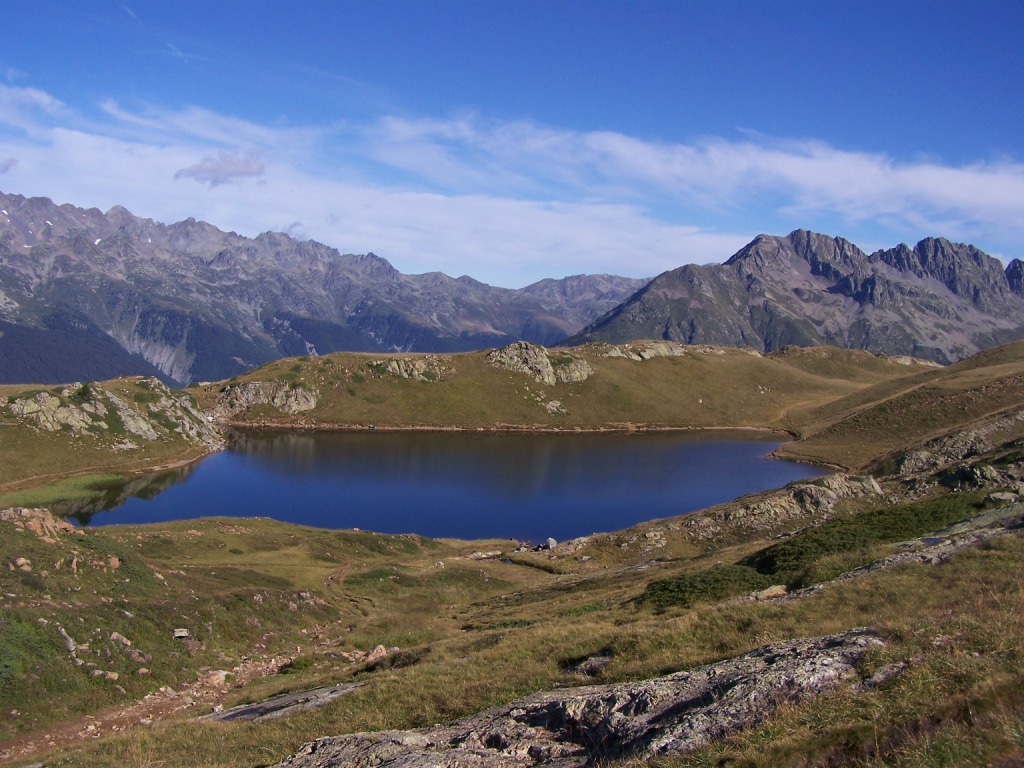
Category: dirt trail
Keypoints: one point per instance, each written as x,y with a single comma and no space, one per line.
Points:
197,698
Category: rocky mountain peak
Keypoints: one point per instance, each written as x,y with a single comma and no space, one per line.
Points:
1015,276
938,300
962,269
198,303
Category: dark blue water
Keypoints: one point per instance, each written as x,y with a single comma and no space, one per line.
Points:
468,486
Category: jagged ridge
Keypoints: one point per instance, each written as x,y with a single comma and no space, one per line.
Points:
939,300
197,303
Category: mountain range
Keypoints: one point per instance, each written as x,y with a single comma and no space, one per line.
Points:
87,295
938,300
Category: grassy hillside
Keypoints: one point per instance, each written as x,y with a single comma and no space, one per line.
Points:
94,668
895,415
283,608
701,387
88,441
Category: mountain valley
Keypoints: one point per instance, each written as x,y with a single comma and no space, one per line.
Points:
871,616
838,614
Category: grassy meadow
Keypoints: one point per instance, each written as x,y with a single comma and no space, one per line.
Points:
272,608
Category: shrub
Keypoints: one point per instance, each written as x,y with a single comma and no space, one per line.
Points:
691,588
796,555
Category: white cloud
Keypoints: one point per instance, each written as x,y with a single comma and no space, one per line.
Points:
799,176
29,109
224,168
507,203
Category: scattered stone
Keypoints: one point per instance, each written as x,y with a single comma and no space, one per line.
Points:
593,666
217,678
427,368
70,645
182,633
1001,497
376,654
772,592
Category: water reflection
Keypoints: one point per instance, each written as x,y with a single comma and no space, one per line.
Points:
114,494
490,485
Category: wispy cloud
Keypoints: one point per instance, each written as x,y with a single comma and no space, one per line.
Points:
224,168
804,177
29,109
12,75
507,202
6,165
181,55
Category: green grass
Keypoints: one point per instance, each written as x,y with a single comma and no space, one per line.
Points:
791,561
813,555
973,600
712,585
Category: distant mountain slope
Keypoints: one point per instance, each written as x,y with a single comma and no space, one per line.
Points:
939,300
197,303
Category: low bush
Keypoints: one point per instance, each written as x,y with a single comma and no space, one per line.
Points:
785,560
718,583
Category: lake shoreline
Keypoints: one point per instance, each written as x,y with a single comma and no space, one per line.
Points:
225,426
463,484
613,428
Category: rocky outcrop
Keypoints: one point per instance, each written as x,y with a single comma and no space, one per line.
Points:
576,727
40,522
646,350
939,546
765,513
89,408
425,368
285,704
534,360
955,447
236,398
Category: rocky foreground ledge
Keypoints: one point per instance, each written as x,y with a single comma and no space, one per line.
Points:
576,727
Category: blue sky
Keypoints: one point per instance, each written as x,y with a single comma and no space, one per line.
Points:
513,141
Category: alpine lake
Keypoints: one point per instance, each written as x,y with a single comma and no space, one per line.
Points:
523,486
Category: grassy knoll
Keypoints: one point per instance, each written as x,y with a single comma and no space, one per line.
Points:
68,489
895,415
703,387
32,456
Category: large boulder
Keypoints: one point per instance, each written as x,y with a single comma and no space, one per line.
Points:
533,360
236,398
